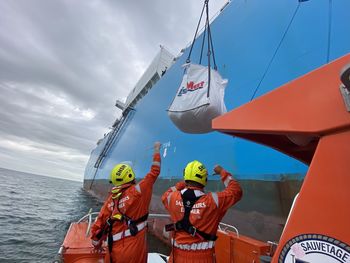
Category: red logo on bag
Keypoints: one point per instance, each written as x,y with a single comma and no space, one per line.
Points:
191,86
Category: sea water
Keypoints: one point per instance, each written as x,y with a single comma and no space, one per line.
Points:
35,213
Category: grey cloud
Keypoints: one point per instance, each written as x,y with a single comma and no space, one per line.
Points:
88,53
26,116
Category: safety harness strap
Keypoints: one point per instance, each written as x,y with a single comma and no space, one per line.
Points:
110,235
132,224
141,219
191,230
123,234
189,199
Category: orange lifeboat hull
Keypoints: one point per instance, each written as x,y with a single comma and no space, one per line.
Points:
77,248
231,247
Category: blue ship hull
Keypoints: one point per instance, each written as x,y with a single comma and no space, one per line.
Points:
259,45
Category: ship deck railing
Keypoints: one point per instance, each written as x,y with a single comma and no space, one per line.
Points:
89,217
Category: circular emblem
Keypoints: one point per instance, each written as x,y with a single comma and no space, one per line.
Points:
314,248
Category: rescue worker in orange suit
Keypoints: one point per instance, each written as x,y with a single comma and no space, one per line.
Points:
196,214
126,211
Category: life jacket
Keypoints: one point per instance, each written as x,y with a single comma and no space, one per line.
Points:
117,194
189,199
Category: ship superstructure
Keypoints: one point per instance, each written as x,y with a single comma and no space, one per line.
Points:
158,67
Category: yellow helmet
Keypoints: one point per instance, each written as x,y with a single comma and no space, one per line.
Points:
196,171
122,174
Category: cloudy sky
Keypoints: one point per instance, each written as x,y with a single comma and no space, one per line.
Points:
64,63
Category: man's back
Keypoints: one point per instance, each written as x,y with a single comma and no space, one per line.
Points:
126,209
194,237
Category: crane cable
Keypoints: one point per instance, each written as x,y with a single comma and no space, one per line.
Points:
206,36
329,30
275,53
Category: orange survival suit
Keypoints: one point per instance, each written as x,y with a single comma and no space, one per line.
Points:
133,204
205,216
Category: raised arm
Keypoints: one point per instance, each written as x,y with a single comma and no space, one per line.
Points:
231,194
152,175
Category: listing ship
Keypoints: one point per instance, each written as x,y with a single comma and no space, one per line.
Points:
259,46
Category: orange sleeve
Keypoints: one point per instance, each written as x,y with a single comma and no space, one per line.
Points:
147,182
178,187
166,195
104,214
232,193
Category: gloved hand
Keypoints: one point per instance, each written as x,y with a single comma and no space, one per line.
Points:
180,185
218,169
97,245
157,146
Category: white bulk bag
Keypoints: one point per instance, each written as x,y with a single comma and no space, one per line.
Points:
192,110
